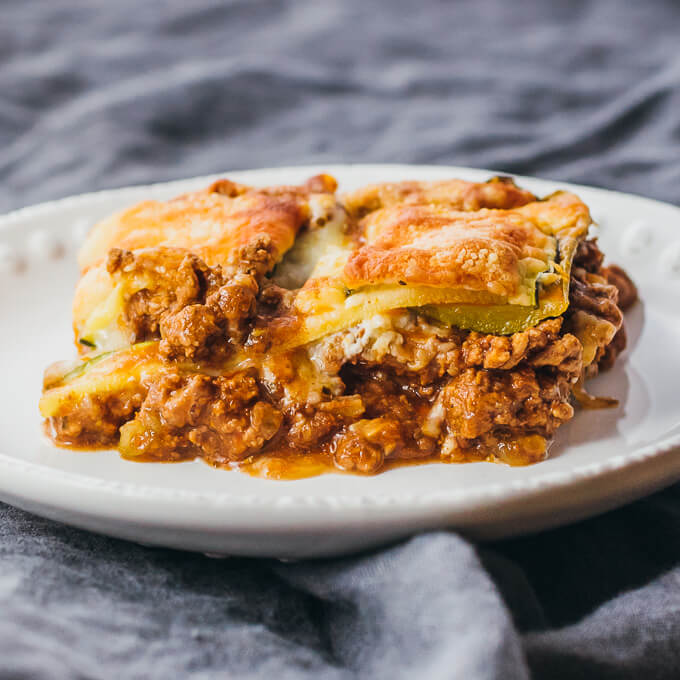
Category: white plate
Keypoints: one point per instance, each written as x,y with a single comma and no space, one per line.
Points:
601,459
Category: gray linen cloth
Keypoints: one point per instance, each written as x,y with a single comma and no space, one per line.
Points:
96,95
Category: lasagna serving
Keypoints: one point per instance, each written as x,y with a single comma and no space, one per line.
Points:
290,330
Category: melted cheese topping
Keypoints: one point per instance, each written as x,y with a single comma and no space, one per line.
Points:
456,194
492,251
523,255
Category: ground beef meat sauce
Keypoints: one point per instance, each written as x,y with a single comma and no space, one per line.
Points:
393,390
396,391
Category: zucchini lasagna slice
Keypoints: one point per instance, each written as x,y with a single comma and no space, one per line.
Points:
289,331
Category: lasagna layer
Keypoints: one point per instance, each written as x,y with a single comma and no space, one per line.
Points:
135,258
257,357
494,271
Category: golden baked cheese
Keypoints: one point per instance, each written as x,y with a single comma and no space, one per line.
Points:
496,271
215,225
457,194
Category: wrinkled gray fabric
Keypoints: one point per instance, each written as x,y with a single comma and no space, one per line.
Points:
97,95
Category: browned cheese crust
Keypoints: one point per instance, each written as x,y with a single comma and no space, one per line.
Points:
213,224
457,194
436,246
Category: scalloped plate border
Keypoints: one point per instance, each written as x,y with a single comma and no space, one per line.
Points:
293,525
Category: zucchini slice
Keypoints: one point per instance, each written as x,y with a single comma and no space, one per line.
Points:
552,293
109,373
